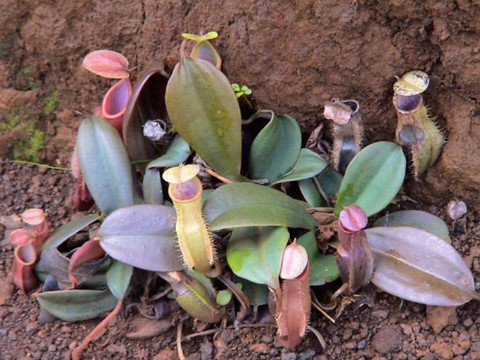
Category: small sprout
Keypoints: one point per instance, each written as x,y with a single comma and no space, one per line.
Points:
155,130
412,83
107,63
456,209
241,90
294,261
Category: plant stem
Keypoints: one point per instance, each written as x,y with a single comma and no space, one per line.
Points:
78,350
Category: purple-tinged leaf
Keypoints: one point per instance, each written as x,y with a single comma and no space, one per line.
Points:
417,219
418,266
105,165
142,236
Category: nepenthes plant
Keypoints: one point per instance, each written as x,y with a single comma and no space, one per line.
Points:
227,208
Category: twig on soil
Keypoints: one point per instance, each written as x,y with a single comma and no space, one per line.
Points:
319,336
181,355
78,350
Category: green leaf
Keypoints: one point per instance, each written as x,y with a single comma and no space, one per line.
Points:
256,293
204,110
323,268
105,165
77,305
373,178
310,193
330,181
418,266
142,236
245,204
67,230
256,254
308,165
276,148
118,278
417,219
177,153
152,187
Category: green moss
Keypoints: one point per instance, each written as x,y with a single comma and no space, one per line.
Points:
12,120
24,134
50,102
26,71
32,146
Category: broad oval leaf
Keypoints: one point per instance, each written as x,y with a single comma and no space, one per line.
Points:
323,268
118,278
308,165
256,254
276,148
146,103
142,236
373,178
418,266
107,63
105,165
178,151
417,219
204,110
67,230
77,305
245,204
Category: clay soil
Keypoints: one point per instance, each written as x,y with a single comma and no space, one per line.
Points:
295,56
376,326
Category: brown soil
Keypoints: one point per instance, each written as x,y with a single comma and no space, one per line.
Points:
295,56
377,326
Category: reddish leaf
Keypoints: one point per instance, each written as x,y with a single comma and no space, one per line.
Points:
90,250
